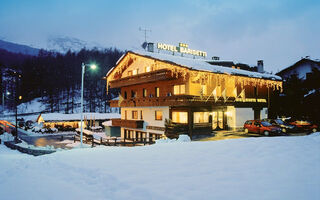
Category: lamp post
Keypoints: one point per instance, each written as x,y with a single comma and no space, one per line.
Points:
93,67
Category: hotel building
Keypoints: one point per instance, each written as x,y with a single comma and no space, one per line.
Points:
175,90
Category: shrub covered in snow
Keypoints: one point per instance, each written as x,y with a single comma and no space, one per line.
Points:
6,137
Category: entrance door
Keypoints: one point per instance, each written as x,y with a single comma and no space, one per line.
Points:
217,120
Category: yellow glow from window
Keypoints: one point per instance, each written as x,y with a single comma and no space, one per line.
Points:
135,72
158,115
204,89
180,117
148,69
179,89
201,117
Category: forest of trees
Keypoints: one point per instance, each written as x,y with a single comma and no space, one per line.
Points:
56,78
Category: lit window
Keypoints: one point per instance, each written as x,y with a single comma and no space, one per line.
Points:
158,115
130,73
157,92
134,114
201,117
135,72
203,90
179,89
180,117
148,69
144,92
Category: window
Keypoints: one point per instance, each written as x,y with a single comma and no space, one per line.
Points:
125,95
179,89
201,117
148,69
133,94
134,114
125,114
157,92
144,92
130,73
203,90
180,117
158,115
135,71
141,116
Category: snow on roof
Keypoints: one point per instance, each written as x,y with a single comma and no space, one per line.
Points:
77,116
203,65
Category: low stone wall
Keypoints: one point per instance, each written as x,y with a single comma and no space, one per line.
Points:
34,152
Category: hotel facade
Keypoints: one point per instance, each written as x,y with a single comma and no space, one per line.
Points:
165,91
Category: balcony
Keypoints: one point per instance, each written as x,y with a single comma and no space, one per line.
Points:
176,100
127,123
158,75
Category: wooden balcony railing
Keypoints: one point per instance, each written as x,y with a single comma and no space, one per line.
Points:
127,123
180,100
158,75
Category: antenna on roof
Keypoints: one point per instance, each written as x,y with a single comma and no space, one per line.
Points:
145,33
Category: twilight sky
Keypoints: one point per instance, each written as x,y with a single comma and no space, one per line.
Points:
279,32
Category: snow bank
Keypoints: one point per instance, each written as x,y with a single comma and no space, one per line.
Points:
263,168
182,138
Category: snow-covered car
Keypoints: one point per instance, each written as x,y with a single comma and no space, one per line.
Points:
261,127
285,127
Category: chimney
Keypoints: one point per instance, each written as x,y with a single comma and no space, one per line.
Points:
215,58
260,66
150,47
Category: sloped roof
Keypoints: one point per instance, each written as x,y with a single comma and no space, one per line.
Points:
202,65
300,62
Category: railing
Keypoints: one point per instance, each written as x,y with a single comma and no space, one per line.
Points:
115,141
179,100
158,75
127,123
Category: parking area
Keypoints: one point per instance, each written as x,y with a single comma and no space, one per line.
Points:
223,135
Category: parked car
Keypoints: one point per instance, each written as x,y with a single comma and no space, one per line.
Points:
285,127
305,126
261,127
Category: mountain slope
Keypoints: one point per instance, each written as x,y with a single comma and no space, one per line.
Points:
18,48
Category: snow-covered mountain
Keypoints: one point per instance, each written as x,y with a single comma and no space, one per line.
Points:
18,48
64,44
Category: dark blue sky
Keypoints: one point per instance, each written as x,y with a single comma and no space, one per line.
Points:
279,32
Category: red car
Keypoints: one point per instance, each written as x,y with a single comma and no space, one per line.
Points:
261,127
304,126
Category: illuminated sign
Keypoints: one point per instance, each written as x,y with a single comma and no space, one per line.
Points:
182,48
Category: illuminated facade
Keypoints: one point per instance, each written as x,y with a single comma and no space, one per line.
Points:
193,93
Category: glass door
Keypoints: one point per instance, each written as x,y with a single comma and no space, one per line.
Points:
217,120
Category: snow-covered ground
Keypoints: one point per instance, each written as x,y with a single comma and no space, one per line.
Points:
251,168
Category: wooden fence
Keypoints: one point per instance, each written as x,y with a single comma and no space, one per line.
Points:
114,141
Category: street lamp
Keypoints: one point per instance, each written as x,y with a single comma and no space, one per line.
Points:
93,67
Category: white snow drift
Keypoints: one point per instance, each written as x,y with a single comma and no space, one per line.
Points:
253,168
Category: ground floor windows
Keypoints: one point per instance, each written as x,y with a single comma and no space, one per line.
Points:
180,117
201,117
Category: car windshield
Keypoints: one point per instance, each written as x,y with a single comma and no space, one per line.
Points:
264,123
279,121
